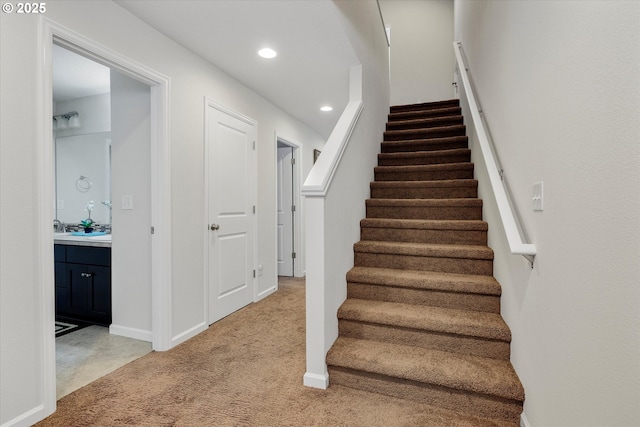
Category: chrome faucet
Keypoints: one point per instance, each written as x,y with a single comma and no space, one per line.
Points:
58,226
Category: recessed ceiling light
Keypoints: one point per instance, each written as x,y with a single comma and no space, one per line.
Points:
326,108
267,53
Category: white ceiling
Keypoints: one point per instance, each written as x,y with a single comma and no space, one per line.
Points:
75,76
314,56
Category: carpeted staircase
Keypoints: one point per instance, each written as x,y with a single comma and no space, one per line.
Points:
422,316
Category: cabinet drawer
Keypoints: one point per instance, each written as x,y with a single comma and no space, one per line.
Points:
89,255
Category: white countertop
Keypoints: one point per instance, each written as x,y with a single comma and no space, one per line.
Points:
103,241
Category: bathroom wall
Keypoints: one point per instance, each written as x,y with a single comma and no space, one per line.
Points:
131,275
83,175
83,151
94,114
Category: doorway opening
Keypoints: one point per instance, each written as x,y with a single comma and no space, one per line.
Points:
92,148
287,208
158,206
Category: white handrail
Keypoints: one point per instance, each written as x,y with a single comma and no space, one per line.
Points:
320,176
514,238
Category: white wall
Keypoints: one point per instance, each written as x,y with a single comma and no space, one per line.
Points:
560,85
422,61
26,380
22,371
131,176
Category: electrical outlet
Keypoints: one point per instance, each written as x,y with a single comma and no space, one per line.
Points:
127,202
538,197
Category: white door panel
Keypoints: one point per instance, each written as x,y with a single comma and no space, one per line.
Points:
284,211
231,195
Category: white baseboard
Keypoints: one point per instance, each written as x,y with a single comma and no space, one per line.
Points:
524,422
124,331
189,333
266,293
316,380
28,418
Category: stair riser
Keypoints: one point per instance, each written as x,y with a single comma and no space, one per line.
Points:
430,122
459,344
442,132
422,160
424,106
425,193
425,114
424,145
473,404
425,263
462,237
422,212
435,175
428,297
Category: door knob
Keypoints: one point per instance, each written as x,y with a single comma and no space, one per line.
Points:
214,227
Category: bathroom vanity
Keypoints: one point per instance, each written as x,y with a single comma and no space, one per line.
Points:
83,277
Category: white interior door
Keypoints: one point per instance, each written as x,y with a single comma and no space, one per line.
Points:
285,211
231,194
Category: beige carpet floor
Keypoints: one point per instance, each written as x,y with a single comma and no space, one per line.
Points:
245,370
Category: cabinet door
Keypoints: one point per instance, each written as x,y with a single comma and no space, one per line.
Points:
63,295
79,283
99,302
89,292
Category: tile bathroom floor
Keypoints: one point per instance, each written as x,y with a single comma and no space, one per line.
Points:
90,353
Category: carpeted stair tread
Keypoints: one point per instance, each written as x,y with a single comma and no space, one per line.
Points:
431,280
447,171
434,189
417,114
464,232
425,250
424,202
436,132
425,106
412,208
456,371
436,319
425,224
439,183
419,168
425,122
425,144
455,155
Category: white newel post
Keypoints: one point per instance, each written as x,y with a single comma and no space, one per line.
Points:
316,374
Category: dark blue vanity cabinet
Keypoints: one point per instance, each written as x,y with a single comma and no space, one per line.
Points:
83,283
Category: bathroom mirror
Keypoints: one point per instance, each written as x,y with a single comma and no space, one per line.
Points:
83,174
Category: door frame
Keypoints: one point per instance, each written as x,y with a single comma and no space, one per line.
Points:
210,103
160,154
298,239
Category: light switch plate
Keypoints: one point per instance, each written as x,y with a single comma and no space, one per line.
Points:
538,197
127,202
